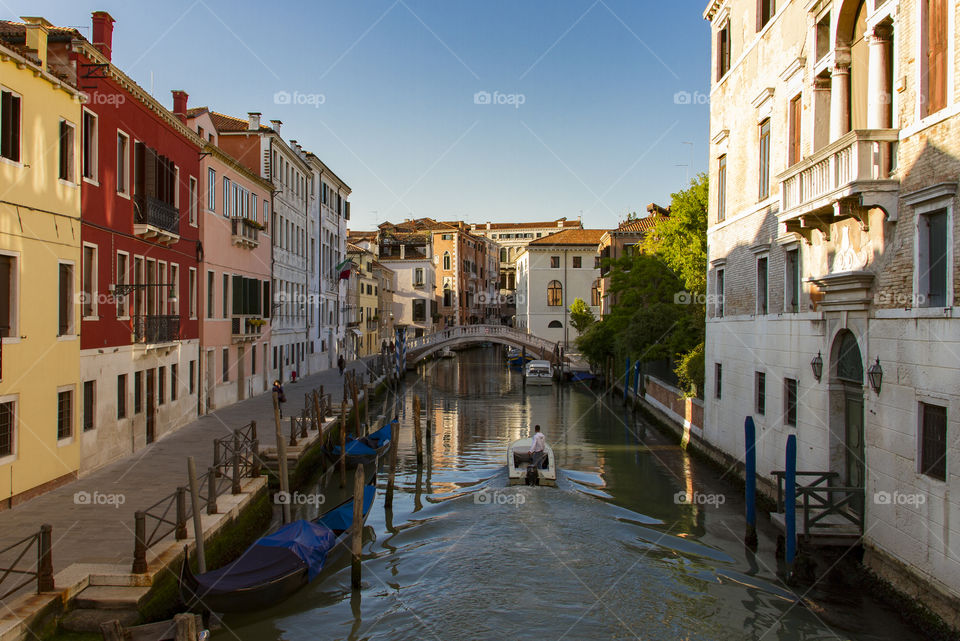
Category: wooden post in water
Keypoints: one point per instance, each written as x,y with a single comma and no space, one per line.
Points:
357,534
394,446
356,406
429,411
343,440
417,434
367,397
282,460
750,484
197,525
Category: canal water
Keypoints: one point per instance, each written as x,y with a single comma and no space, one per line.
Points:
638,541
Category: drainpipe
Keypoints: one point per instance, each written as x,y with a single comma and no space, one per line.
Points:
563,301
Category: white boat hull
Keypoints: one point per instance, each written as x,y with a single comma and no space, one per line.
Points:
517,475
539,380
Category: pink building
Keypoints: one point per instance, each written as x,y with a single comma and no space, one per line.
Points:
235,205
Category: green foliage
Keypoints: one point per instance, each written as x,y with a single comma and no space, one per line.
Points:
690,370
680,239
581,316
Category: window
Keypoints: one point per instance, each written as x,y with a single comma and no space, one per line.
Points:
417,278
137,392
447,296
66,152
192,292
762,307
576,262
64,414
8,415
211,189
266,212
65,315
253,358
554,293
90,146
8,296
723,51
89,405
932,253
794,114
554,262
123,268
193,201
933,444
823,36
193,376
555,324
123,163
419,310
595,294
790,401
122,396
596,262
88,301
791,292
446,260
226,364
717,381
937,51
765,12
174,281
225,297
720,290
161,385
226,197
761,393
211,291
722,189
174,376
154,175
10,125
764,178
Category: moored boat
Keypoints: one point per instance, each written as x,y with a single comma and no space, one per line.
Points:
538,373
516,358
366,449
275,566
526,469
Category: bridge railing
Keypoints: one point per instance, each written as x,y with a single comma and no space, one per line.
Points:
463,331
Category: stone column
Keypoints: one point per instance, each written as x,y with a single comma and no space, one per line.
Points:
840,96
879,92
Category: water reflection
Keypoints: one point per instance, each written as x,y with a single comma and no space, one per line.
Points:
609,553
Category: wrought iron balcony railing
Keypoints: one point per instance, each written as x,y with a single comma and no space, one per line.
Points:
156,329
156,213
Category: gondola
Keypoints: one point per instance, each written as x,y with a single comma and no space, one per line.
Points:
366,449
275,566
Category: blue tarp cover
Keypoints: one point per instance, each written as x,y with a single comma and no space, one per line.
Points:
341,518
382,435
356,448
309,541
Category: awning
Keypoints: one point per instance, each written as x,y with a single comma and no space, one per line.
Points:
356,332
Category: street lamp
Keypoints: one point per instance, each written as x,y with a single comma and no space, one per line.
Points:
817,365
875,374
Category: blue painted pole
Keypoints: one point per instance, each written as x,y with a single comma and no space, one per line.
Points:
790,515
636,380
626,382
750,481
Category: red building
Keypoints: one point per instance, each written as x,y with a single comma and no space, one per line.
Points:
141,246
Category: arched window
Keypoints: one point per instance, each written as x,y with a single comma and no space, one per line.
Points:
447,295
554,294
446,260
849,365
555,324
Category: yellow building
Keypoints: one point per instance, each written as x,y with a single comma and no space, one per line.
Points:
40,135
363,303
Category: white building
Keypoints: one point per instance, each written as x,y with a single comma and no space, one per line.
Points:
552,272
835,158
409,256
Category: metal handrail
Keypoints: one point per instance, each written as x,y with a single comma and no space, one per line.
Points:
819,477
43,573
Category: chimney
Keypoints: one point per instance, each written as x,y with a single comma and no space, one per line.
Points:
276,125
488,224
253,120
103,33
37,37
180,104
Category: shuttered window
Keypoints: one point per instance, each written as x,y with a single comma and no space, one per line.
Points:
722,189
10,126
246,296
764,177
723,51
933,446
937,49
155,175
765,11
794,125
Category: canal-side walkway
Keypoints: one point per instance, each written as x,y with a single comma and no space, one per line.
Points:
92,518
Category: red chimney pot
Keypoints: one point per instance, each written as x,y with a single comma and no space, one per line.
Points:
103,33
180,104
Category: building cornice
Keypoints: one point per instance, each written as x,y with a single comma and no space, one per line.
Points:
235,165
23,62
127,84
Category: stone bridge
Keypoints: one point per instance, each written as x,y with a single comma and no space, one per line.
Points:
423,346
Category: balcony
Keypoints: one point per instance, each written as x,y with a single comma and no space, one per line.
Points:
155,330
245,232
845,178
246,329
373,324
156,220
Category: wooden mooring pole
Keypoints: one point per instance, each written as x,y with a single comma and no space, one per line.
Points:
417,433
197,525
357,535
282,460
343,440
394,446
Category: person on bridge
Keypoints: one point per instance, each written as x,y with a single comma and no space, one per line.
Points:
341,364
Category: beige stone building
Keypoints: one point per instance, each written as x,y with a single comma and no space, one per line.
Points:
834,161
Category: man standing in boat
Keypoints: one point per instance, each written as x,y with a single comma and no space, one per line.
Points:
537,446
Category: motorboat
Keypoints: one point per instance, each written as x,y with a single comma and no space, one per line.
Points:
274,566
538,373
516,358
524,468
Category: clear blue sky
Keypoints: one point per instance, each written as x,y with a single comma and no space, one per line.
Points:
598,130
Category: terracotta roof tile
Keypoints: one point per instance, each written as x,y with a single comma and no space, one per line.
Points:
567,224
571,237
639,225
224,122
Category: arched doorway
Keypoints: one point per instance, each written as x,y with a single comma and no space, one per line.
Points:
846,407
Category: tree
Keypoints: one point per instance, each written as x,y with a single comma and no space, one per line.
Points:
680,239
581,316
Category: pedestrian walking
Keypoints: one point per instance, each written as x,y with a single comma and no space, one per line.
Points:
281,398
341,363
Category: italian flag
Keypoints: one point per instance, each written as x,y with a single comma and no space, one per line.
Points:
344,269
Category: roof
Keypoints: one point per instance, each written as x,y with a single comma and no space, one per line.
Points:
224,122
360,235
570,237
554,224
638,225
